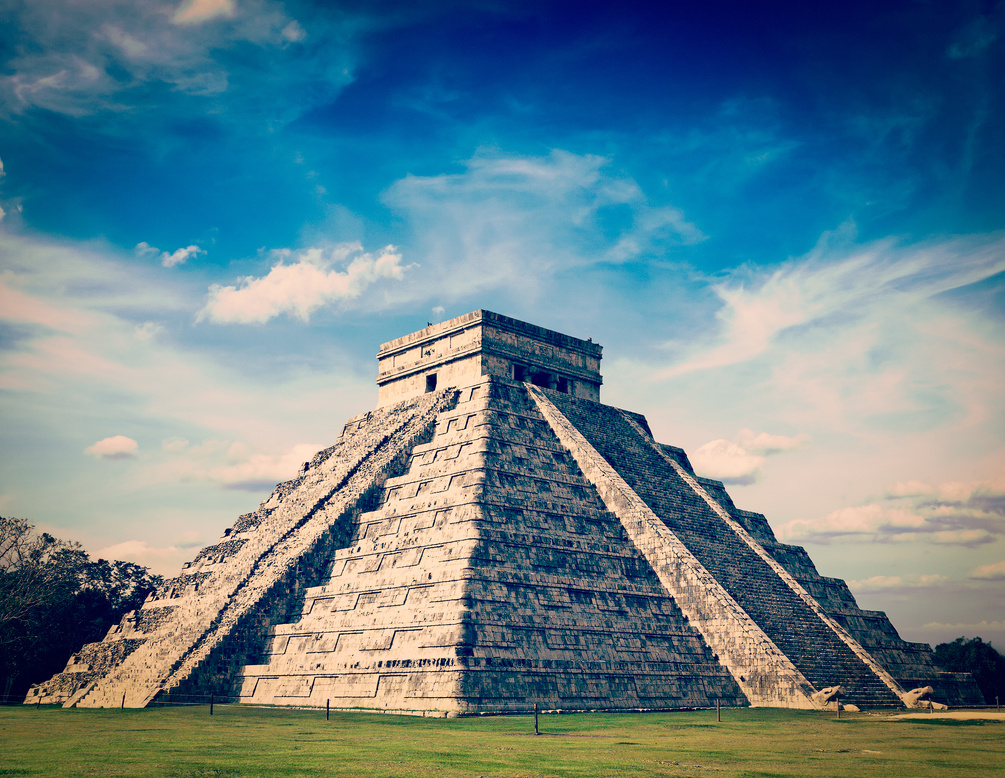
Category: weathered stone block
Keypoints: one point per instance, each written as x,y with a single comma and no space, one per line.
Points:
491,538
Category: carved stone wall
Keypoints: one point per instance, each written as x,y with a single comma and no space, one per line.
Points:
501,542
200,627
491,578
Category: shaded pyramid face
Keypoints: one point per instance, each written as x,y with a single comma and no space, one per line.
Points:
197,628
495,546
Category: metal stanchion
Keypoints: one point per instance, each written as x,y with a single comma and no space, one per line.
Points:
536,732
327,708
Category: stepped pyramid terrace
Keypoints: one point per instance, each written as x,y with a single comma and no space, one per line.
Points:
492,537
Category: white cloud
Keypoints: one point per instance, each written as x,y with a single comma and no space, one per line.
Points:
953,513
294,32
765,444
168,259
231,464
992,572
165,560
148,330
131,47
739,461
856,520
179,256
254,471
727,461
898,582
195,11
175,445
910,489
83,350
960,537
115,447
301,288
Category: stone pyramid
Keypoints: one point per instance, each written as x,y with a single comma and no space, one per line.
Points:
492,537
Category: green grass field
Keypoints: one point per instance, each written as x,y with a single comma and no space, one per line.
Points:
267,741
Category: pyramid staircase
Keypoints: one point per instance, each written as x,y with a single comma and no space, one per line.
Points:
505,542
491,578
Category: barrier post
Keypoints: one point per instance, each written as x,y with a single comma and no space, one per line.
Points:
327,708
211,700
718,716
536,732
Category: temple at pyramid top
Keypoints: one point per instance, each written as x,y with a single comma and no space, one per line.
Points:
461,351
493,539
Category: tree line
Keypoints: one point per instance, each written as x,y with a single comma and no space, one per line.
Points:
53,599
978,658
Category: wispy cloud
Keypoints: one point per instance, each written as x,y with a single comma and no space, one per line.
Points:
258,471
513,221
165,560
303,286
233,465
83,59
963,514
879,583
195,11
838,285
142,553
983,627
972,39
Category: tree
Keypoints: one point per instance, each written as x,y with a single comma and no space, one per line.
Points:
979,659
27,573
54,599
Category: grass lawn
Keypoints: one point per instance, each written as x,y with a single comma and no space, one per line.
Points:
270,741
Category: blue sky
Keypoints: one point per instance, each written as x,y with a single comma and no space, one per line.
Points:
785,224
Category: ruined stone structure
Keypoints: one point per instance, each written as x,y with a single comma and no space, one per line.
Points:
492,537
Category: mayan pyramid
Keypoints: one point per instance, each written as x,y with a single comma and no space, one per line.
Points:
489,538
